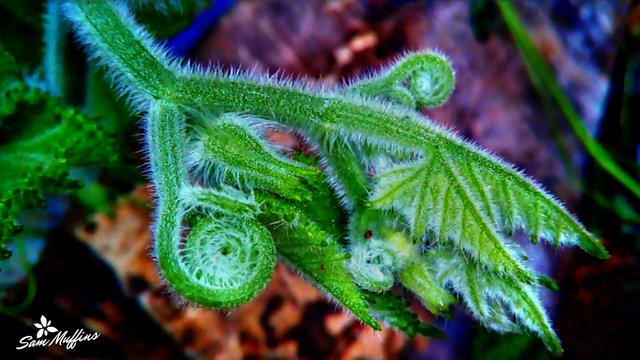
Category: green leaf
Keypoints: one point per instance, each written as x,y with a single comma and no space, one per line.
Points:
8,64
226,148
419,277
472,201
433,195
41,140
396,312
317,255
547,282
499,302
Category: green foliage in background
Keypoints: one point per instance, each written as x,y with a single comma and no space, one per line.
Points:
41,140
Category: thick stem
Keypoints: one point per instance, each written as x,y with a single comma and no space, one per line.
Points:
165,138
124,46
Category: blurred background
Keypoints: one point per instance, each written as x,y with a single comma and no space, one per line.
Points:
546,99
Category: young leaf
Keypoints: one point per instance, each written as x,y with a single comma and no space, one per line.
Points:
395,311
444,204
227,200
472,200
227,260
415,80
228,145
493,299
420,278
319,257
372,264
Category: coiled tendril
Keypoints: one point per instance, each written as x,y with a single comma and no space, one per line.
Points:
226,259
232,258
372,264
419,81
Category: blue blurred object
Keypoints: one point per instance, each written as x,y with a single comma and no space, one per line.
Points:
566,13
182,43
28,245
26,253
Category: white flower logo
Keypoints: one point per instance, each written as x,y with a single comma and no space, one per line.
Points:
44,327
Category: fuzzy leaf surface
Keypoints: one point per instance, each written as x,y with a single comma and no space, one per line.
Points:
472,203
395,311
500,303
308,248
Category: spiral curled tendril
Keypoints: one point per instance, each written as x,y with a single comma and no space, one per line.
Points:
226,259
422,80
432,81
419,81
232,258
372,264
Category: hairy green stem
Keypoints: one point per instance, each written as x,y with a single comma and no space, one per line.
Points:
165,138
132,56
